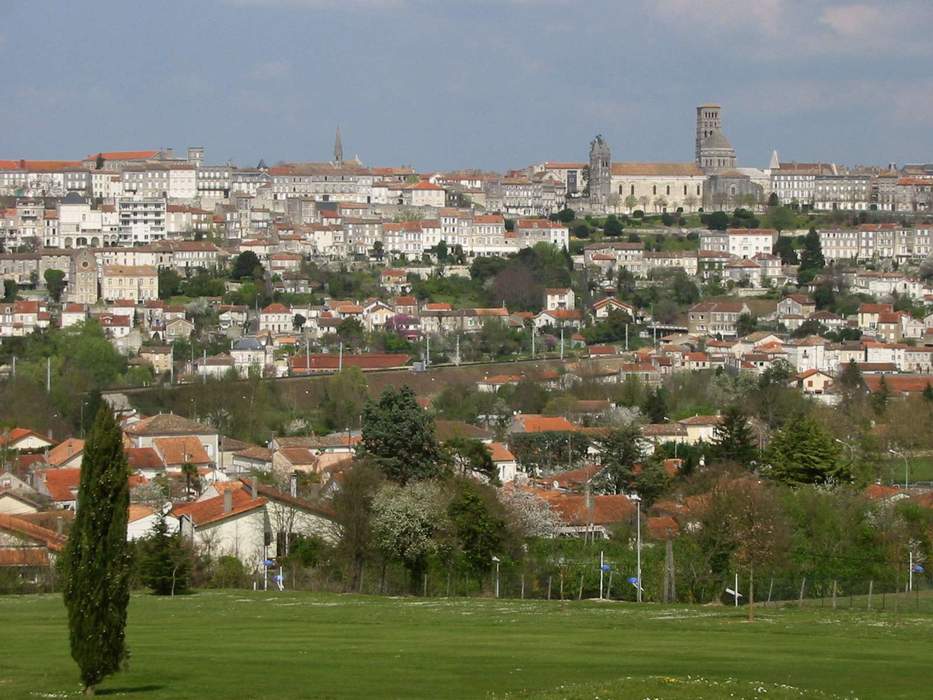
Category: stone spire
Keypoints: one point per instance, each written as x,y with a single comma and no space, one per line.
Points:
338,148
775,163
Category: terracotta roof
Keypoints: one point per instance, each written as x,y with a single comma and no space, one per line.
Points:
572,508
298,456
701,420
17,434
450,429
24,556
211,510
62,484
662,527
178,450
656,169
365,361
534,423
899,383
64,451
500,452
124,155
143,458
138,511
37,533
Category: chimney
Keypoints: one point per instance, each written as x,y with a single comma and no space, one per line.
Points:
293,485
228,501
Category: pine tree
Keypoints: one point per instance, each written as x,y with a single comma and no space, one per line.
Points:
733,440
96,562
164,564
811,258
803,453
399,435
880,398
619,452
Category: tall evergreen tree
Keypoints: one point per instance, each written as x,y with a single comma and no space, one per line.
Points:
880,398
928,392
96,562
399,435
165,565
811,257
802,452
655,405
732,439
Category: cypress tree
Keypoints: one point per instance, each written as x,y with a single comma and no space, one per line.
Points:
803,453
96,561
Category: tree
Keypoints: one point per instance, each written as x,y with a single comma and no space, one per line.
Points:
440,250
802,452
165,562
353,510
784,247
655,405
343,397
851,380
405,521
399,436
612,227
811,257
96,563
732,438
581,231
717,221
781,218
773,200
245,265
566,215
298,322
928,392
378,250
478,525
469,455
745,324
190,472
631,201
55,283
744,523
9,291
879,399
620,451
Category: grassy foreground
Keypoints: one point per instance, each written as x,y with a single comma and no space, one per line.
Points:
235,644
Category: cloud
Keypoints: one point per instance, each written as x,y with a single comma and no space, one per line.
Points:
323,4
270,70
761,16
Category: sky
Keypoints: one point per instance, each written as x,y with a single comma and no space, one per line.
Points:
441,84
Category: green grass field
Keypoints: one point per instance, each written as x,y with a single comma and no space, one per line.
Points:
233,644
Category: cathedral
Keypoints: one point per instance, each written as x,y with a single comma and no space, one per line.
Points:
714,153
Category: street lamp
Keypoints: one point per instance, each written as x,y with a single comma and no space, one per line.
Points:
496,560
906,467
635,497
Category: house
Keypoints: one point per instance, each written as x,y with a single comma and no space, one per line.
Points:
16,503
23,440
66,454
505,461
700,428
276,318
295,459
215,366
796,305
249,355
178,329
587,515
605,306
559,298
138,283
230,524
142,518
559,318
145,432
232,315
715,317
868,315
491,383
395,281
813,381
27,548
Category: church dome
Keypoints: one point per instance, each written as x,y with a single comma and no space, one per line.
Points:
716,140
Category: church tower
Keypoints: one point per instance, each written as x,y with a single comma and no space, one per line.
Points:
600,176
338,148
714,152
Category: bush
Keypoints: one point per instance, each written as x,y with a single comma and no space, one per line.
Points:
229,572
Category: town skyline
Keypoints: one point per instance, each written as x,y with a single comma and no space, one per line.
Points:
505,85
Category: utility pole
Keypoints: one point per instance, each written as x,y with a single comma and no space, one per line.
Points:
14,368
601,572
532,342
203,365
171,364
637,500
427,353
340,358
626,337
458,349
562,341
48,375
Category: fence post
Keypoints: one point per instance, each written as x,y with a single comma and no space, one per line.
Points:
580,594
523,585
561,585
609,590
770,589
548,587
802,586
425,586
871,586
834,594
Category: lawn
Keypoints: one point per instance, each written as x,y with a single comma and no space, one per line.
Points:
234,644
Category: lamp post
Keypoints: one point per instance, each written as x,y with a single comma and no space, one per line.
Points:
496,560
906,467
637,499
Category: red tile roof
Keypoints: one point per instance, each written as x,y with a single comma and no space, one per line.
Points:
37,533
211,510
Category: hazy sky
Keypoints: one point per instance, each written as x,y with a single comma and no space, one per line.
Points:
457,83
